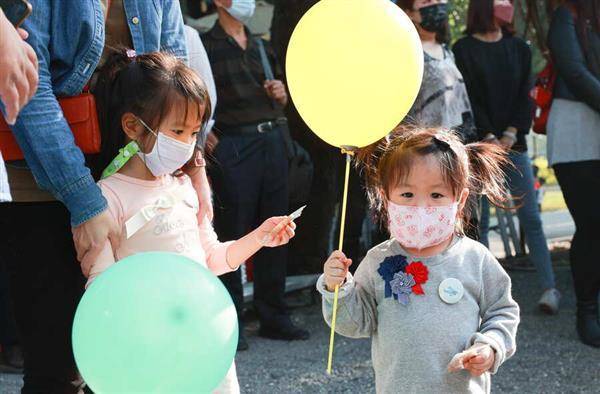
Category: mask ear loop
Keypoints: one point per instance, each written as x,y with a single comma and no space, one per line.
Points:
154,133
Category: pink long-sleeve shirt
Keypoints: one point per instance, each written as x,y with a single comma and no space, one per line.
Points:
174,229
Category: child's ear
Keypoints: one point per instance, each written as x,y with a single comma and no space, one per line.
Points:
132,126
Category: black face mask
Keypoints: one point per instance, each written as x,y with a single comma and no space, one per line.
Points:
434,17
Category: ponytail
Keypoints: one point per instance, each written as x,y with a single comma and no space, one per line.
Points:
107,105
487,164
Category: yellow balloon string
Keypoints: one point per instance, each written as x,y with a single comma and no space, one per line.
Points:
349,153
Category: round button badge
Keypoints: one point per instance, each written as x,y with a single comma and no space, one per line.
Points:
451,290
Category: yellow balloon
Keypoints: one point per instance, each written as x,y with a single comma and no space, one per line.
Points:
354,69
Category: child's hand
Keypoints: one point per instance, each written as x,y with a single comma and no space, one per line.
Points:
276,231
477,359
336,269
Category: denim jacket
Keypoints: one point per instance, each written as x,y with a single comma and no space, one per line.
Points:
68,38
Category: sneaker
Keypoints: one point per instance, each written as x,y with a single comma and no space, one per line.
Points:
549,302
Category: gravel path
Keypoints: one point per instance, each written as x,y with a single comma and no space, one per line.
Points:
549,358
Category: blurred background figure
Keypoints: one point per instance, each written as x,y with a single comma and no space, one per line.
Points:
496,66
574,146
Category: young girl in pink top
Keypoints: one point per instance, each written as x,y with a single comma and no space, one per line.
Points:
151,109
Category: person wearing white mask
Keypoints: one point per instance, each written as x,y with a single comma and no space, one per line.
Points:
152,107
250,178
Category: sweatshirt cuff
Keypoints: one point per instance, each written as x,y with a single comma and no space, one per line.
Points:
343,292
496,342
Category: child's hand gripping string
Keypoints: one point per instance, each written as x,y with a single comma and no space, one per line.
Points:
477,359
336,269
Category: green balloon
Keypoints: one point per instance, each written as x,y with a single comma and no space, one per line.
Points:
155,322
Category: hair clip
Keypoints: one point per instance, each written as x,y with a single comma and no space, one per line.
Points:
131,53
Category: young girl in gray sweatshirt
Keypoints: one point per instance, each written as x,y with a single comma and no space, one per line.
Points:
436,304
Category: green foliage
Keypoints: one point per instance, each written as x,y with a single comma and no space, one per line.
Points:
458,18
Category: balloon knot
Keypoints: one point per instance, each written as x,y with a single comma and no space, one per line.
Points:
349,150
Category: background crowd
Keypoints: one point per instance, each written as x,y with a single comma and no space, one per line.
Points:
263,160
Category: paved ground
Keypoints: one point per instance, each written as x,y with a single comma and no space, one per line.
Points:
549,358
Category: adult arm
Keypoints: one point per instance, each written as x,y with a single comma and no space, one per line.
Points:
18,72
478,104
50,151
172,34
570,61
522,107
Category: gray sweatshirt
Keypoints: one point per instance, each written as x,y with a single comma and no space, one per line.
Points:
412,344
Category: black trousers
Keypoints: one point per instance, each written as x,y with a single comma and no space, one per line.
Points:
250,184
46,284
580,184
8,329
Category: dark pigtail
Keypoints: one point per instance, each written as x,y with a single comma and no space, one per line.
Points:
487,164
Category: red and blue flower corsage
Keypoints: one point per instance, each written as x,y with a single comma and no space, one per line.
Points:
402,279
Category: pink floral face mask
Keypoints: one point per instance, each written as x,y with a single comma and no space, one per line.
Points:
421,227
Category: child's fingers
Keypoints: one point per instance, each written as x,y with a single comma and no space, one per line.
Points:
290,231
335,279
283,236
477,371
283,222
336,264
338,254
478,360
332,270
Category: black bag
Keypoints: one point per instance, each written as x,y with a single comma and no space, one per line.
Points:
300,164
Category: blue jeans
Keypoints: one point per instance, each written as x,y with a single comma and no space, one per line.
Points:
520,181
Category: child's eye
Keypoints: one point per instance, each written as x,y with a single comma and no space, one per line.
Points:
178,132
407,195
436,196
195,133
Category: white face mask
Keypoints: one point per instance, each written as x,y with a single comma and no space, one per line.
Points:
242,10
168,155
